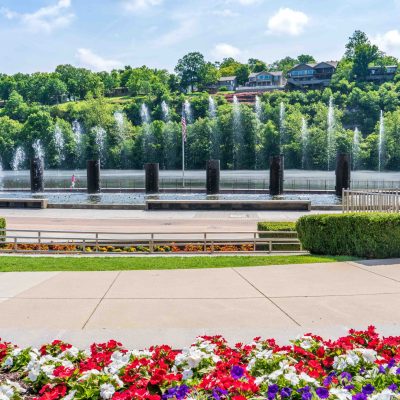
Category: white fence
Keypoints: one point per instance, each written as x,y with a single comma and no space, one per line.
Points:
371,201
46,241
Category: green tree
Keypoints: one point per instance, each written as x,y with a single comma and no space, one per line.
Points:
190,69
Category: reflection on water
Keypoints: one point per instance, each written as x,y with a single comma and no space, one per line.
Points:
140,198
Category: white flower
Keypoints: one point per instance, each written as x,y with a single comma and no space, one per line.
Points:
341,394
48,370
386,394
72,352
16,352
293,378
306,343
8,362
119,360
16,386
339,363
307,378
187,374
70,395
6,391
352,358
368,355
106,391
275,375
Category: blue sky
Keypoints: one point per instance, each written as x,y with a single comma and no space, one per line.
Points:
37,35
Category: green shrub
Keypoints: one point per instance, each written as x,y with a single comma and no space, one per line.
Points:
279,227
2,227
369,235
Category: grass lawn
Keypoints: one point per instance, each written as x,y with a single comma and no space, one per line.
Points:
12,264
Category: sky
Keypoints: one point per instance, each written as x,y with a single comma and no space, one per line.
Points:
38,35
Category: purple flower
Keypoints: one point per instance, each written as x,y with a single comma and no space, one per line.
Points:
286,392
179,392
381,369
346,376
398,371
359,396
237,372
349,387
391,363
393,387
305,393
328,380
323,393
218,393
368,389
272,391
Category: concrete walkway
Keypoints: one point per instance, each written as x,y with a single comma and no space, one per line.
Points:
144,221
141,308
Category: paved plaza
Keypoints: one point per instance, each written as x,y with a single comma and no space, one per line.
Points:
141,308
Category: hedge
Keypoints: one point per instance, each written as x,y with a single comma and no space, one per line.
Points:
2,226
369,235
279,227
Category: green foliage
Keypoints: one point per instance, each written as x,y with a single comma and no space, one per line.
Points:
370,235
276,230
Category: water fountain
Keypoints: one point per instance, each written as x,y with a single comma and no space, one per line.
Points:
356,148
145,114
99,139
38,149
165,111
212,108
18,159
188,111
148,137
120,121
258,108
304,142
381,143
237,133
59,142
281,125
78,132
331,131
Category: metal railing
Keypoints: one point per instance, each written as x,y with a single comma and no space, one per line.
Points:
53,241
371,201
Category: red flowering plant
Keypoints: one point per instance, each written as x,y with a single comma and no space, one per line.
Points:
360,366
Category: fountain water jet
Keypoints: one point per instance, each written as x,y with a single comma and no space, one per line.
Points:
281,125
59,142
212,108
237,133
38,149
18,159
100,138
304,142
165,111
381,143
120,121
356,148
188,111
331,131
258,108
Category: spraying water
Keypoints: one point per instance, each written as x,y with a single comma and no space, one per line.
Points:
381,143
78,131
237,133
281,125
18,159
331,131
304,142
100,139
59,142
120,121
145,114
212,108
356,148
188,111
38,149
258,108
165,111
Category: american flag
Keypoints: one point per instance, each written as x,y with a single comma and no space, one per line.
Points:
184,131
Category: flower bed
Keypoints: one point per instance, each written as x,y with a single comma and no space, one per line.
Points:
359,366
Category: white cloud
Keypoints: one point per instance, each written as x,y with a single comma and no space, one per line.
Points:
185,29
287,21
45,19
248,2
388,41
92,60
140,5
223,50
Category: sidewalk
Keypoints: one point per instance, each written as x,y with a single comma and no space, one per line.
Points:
141,308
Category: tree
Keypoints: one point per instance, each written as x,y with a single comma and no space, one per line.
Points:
358,38
242,74
305,59
256,65
285,64
190,69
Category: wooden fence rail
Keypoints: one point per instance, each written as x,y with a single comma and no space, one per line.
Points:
371,201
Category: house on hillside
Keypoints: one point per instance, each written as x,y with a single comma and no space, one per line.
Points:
381,74
311,76
229,82
266,78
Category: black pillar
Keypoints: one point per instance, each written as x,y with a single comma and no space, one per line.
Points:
37,182
213,174
151,177
343,171
276,171
93,176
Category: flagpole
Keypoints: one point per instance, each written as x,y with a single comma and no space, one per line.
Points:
183,134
